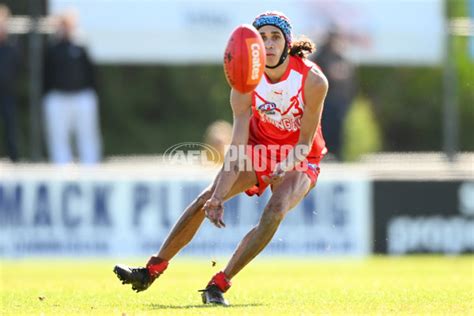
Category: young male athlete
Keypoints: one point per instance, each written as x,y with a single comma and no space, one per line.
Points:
283,112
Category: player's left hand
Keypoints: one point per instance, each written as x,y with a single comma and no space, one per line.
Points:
276,176
214,210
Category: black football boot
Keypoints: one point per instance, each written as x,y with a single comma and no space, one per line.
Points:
138,277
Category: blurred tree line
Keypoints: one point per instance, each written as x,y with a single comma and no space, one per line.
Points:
147,108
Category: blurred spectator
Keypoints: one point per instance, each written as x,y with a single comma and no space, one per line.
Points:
218,135
340,73
9,66
70,103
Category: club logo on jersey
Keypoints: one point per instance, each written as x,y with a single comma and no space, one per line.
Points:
269,111
267,108
282,111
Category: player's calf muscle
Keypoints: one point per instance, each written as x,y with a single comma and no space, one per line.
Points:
186,226
276,209
196,206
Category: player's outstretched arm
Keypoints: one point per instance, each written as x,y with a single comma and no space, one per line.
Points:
241,108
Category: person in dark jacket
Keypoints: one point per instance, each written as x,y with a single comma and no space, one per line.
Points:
70,103
340,73
9,66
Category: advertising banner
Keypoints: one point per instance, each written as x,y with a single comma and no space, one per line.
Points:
423,217
132,217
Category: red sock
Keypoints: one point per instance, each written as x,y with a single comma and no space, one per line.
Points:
221,280
156,266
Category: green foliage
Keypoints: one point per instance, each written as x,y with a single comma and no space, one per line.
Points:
361,131
268,286
407,103
465,92
456,8
465,77
146,109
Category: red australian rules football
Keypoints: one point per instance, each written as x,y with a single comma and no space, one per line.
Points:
244,58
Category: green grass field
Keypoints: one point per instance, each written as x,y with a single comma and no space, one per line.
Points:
268,286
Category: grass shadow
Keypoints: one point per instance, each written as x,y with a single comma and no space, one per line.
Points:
161,306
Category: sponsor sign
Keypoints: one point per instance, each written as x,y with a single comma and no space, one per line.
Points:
424,217
132,217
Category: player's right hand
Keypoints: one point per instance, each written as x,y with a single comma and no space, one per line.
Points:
214,210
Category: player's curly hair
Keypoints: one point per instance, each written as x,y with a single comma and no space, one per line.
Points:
302,47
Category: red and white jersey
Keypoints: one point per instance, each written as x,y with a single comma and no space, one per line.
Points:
278,108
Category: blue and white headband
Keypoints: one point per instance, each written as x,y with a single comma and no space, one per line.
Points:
277,19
